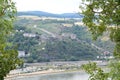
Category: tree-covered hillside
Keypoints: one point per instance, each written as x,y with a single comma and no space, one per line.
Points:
55,39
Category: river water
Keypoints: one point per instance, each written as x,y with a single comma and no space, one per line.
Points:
56,76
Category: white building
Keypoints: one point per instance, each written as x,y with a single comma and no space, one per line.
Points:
21,54
29,35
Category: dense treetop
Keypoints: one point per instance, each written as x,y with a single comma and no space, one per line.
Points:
103,15
8,54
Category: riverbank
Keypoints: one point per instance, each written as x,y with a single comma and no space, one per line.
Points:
47,68
11,77
32,73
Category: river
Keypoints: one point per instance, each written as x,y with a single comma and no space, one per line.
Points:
56,76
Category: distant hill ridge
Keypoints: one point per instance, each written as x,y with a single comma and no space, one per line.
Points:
46,14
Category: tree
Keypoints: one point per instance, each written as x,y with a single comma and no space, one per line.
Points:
8,54
103,16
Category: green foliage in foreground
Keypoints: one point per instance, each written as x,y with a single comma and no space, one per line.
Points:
96,73
8,54
101,16
111,72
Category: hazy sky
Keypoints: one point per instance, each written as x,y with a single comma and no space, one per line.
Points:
52,6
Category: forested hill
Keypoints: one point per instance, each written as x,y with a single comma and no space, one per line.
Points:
56,39
46,14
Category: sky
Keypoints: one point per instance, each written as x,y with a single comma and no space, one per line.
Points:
51,6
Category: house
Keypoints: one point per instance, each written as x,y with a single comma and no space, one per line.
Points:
21,54
29,35
68,35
